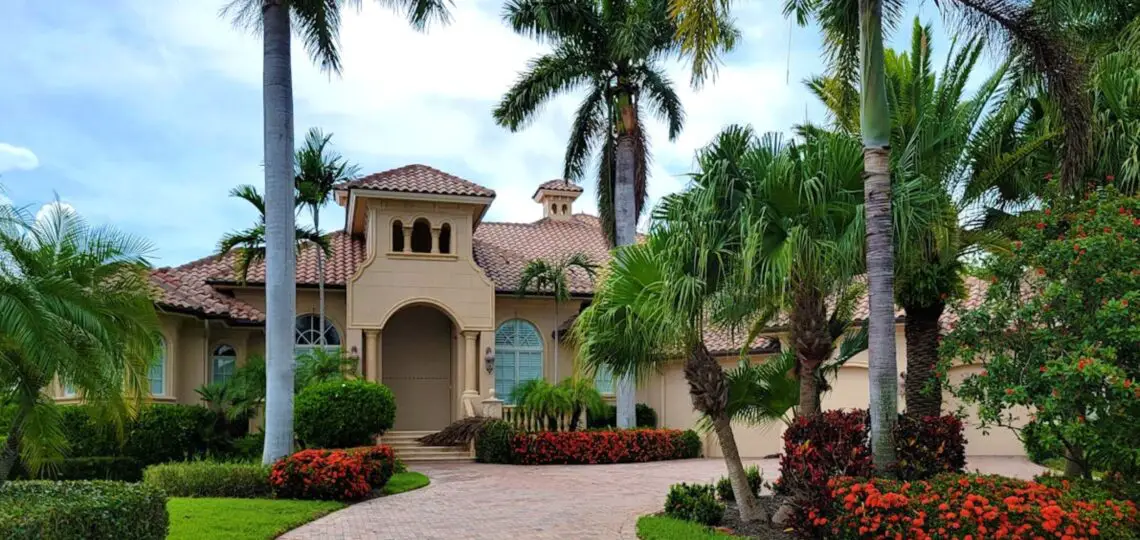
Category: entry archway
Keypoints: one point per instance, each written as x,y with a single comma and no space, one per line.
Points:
418,352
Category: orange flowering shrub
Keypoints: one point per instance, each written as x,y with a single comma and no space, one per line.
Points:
379,462
966,507
321,474
616,446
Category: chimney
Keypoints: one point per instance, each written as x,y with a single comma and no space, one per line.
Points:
557,199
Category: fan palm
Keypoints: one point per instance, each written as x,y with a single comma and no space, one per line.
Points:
318,24
250,244
613,49
77,309
551,277
318,169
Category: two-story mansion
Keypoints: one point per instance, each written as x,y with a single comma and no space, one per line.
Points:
423,291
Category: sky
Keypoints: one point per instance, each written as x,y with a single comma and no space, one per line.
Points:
143,114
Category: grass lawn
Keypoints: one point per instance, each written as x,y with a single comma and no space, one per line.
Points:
666,528
405,481
240,519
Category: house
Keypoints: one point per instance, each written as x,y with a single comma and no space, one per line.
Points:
423,291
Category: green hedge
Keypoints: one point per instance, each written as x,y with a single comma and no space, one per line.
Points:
210,479
343,414
82,511
494,443
160,433
85,468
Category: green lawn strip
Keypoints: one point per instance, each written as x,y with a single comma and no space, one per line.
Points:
240,519
667,528
405,481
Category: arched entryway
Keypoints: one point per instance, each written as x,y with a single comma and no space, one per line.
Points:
418,348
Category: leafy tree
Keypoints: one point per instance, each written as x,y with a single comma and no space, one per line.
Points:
551,277
613,49
318,24
249,244
77,309
1058,335
318,169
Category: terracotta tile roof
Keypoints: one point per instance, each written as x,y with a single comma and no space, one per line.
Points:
558,185
503,249
418,179
347,254
720,341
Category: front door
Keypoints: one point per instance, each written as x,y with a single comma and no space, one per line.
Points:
418,347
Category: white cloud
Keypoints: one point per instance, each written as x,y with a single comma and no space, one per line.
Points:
53,209
17,158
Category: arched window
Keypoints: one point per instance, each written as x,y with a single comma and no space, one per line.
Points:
157,373
397,236
223,363
565,209
518,356
553,209
308,335
421,236
445,238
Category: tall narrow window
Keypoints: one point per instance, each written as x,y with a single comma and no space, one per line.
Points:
157,373
223,363
421,236
565,209
445,238
604,380
553,209
518,356
397,236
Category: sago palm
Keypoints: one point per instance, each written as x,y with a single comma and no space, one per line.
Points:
75,308
542,276
318,24
612,49
249,244
318,169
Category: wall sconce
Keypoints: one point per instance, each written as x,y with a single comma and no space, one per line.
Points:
489,361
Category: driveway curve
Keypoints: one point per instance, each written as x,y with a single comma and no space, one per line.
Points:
475,501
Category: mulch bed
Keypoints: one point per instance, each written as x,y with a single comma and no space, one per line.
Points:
762,530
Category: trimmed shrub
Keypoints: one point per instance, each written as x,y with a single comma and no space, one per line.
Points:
82,511
321,474
343,414
724,485
248,447
690,444
379,461
209,479
646,416
494,444
926,447
694,502
575,447
86,436
165,433
85,468
966,506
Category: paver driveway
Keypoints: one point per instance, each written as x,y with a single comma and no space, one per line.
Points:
479,501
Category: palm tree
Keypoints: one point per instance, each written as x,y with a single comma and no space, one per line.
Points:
544,276
612,49
318,169
853,38
77,309
318,23
249,243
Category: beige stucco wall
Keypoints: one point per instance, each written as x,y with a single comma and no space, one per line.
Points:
388,281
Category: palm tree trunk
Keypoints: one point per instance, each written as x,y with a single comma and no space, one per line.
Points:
708,389
625,232
876,126
11,449
280,236
813,345
923,390
320,273
557,344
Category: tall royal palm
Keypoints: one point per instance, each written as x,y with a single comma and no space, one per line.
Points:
318,24
318,168
612,49
853,37
249,243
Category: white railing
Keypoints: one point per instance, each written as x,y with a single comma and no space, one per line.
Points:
530,422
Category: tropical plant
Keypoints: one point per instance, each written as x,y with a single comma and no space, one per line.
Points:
77,310
318,23
232,407
613,49
319,365
542,276
318,169
549,403
249,243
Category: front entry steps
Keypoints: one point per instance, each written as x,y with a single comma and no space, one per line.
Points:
406,447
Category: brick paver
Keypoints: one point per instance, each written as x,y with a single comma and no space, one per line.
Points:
473,501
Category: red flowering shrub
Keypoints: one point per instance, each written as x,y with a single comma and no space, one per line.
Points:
619,446
379,462
966,507
321,474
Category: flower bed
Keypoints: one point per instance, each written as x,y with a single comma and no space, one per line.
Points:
341,475
967,506
620,446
